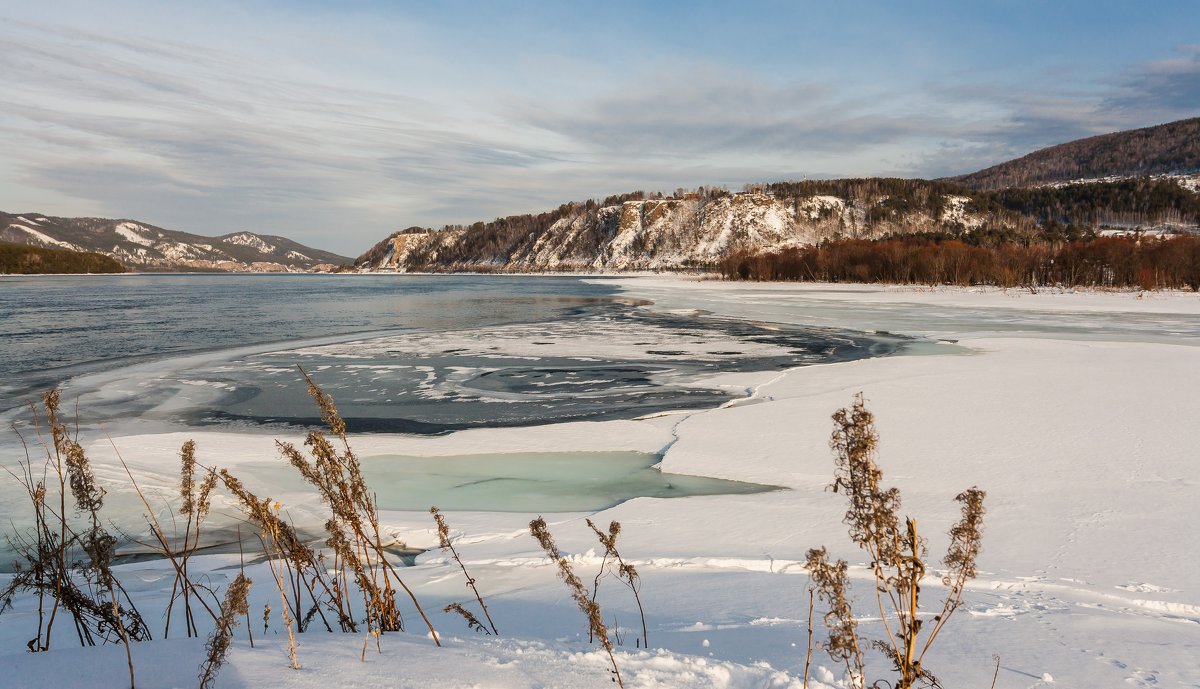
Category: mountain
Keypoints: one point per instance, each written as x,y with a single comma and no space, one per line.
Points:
144,247
1167,149
1144,179
688,230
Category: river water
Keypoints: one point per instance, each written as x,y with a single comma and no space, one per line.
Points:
409,354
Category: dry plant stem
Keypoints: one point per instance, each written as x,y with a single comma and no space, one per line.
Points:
808,653
433,632
62,541
37,497
195,502
242,573
156,529
366,641
472,621
996,673
299,564
124,636
626,572
81,584
913,625
965,543
98,544
897,554
218,643
337,475
278,575
446,544
830,581
36,491
587,606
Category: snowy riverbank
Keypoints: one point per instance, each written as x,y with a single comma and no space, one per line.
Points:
1075,411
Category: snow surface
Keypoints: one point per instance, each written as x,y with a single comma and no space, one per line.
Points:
955,210
1075,411
133,232
45,239
815,204
250,240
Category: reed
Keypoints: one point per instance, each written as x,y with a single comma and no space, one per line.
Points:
589,607
235,604
67,562
195,501
300,567
443,531
353,529
473,622
625,571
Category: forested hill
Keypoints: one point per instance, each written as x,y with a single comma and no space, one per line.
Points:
1172,148
688,229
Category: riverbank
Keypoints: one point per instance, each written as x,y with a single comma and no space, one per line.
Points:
1073,410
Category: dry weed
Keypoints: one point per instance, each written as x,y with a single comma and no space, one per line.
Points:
897,557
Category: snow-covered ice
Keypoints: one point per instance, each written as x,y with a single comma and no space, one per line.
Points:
1074,411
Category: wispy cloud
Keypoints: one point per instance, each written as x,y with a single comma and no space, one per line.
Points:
1169,88
203,139
713,115
337,127
1056,111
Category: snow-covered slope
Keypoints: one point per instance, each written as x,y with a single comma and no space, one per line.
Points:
145,247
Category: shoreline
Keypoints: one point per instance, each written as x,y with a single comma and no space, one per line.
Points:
681,276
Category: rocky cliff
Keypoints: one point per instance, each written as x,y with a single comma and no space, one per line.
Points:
689,230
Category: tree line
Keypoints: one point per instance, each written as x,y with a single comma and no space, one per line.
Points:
1110,262
22,259
1136,201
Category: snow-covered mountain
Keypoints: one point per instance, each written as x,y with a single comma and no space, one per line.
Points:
140,246
688,230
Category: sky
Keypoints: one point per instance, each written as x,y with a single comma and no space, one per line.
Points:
336,123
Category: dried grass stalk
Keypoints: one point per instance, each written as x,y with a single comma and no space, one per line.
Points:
194,505
473,622
625,571
897,557
587,606
444,541
66,562
354,532
217,646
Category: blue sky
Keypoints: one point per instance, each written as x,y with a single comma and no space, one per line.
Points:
335,123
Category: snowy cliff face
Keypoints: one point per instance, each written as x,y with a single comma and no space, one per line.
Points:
653,234
140,246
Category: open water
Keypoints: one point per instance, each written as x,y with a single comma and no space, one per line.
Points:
412,354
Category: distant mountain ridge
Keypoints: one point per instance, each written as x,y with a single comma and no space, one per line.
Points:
1165,149
141,246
